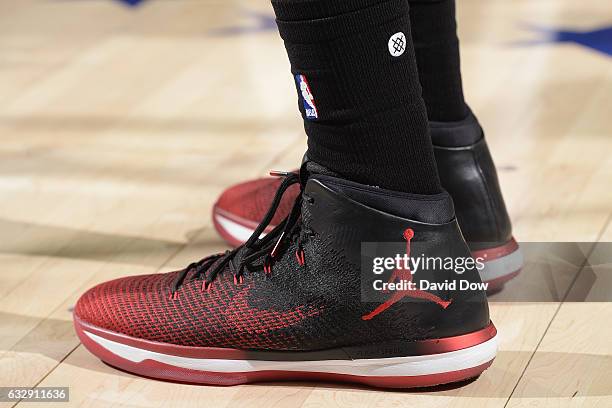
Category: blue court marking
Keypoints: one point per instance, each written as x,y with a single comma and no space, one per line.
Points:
259,23
127,3
598,39
131,3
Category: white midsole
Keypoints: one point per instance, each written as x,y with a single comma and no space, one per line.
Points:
494,269
502,266
396,366
238,232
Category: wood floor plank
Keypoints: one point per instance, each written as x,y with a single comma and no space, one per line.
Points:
572,366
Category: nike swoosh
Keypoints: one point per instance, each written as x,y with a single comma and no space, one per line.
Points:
244,317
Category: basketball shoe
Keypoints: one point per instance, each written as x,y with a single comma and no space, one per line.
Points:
466,171
296,304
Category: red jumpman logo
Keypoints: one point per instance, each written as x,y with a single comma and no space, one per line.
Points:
405,274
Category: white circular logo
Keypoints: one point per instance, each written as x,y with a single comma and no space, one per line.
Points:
397,44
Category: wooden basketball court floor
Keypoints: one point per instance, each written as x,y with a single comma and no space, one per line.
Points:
120,126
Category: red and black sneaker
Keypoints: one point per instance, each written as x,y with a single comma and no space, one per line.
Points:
467,172
296,304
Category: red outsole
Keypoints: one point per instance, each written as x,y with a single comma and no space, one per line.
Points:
158,370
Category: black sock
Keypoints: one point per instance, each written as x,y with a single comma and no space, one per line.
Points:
362,106
434,32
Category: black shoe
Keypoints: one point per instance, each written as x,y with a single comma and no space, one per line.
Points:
299,303
468,173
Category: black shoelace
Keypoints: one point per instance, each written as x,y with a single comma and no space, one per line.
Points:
245,256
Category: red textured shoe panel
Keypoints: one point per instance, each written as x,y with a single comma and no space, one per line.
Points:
140,306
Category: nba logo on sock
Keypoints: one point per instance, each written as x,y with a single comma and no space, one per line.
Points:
307,99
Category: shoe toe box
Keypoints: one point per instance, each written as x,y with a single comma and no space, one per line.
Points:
130,305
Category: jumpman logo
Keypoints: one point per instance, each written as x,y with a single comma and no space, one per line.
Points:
406,275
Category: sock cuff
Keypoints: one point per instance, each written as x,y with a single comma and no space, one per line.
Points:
345,21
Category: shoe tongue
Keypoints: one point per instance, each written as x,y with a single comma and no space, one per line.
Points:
311,168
